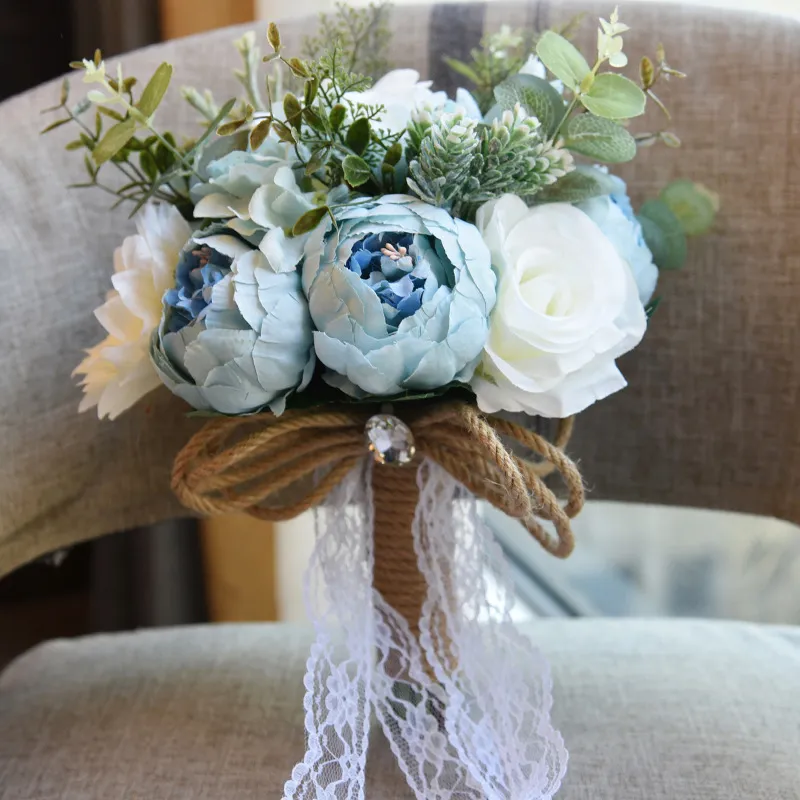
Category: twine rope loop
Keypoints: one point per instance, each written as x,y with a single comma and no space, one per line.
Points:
274,468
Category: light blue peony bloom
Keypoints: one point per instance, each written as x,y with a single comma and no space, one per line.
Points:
613,214
400,295
236,338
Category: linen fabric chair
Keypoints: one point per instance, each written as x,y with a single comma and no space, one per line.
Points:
648,709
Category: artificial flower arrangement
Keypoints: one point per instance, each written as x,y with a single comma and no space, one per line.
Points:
330,244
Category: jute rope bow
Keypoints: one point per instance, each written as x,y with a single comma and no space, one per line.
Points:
254,463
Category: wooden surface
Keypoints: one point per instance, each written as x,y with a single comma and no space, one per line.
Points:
184,17
239,557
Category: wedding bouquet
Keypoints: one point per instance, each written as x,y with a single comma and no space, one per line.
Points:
331,246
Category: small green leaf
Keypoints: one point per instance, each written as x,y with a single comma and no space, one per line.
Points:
164,157
230,127
274,37
317,160
76,144
284,132
651,307
614,97
114,140
154,91
693,205
64,91
393,154
148,164
259,133
356,170
310,220
337,115
298,68
536,96
462,69
53,125
313,119
310,91
358,135
646,73
98,124
600,139
581,184
663,234
562,58
293,110
110,112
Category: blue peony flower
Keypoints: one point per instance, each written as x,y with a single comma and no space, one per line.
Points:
400,293
613,214
235,335
199,269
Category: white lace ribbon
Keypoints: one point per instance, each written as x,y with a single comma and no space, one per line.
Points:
479,726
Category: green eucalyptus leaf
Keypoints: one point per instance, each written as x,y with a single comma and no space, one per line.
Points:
462,69
259,133
310,91
114,140
562,58
663,234
651,307
148,164
393,154
614,97
230,127
317,160
299,69
356,170
293,110
313,119
110,112
581,184
358,134
156,88
274,37
600,139
693,205
310,220
284,132
337,115
53,125
212,126
536,96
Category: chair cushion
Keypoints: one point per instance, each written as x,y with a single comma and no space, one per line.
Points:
650,710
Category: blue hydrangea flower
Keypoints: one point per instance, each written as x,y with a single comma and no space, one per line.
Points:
234,339
400,294
613,214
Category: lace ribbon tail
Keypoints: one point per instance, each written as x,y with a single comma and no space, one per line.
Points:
338,679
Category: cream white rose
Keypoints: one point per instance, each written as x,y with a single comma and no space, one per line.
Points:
567,307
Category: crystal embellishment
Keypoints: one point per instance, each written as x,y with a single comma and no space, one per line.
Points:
389,440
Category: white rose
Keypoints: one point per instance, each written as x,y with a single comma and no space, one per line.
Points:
567,306
399,92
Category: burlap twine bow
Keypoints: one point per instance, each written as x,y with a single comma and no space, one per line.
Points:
274,468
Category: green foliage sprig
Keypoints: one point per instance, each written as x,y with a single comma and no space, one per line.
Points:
362,34
501,55
151,163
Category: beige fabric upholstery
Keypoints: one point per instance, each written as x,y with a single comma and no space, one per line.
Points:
710,415
649,711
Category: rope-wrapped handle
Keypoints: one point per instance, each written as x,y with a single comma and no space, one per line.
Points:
274,468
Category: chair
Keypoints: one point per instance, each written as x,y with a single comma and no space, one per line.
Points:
649,709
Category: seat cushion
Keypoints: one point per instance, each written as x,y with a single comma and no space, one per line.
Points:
650,710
